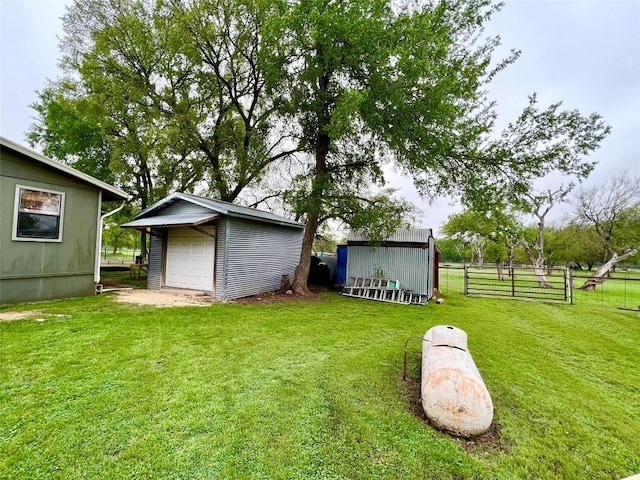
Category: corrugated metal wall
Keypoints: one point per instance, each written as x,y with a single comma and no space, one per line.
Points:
156,245
220,274
411,266
432,266
256,256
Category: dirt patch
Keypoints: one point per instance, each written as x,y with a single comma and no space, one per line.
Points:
162,298
9,316
179,298
489,442
176,298
278,297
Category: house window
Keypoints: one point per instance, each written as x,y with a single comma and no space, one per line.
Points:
38,215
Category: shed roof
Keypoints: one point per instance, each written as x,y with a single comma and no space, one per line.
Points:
160,220
110,193
416,235
153,217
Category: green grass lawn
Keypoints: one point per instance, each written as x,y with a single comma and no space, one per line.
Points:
311,391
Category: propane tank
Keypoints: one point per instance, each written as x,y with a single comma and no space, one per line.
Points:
454,396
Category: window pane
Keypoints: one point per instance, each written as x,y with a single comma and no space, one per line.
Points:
42,203
38,226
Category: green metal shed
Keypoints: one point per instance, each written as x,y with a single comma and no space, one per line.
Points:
50,226
226,250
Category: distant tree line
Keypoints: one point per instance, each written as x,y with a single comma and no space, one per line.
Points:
603,228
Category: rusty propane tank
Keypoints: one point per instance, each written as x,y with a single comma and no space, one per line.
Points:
454,397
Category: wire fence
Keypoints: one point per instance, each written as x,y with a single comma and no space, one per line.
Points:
620,290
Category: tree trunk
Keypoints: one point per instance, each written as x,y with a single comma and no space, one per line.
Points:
542,278
602,274
500,271
537,263
322,144
302,270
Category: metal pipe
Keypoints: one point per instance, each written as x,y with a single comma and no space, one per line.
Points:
404,368
96,274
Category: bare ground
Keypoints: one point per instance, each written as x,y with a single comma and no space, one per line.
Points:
9,316
176,298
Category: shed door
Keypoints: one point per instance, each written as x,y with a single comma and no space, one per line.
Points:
190,256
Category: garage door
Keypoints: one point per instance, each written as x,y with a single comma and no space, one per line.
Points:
190,256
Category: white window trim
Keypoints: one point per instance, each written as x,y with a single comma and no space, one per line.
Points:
16,207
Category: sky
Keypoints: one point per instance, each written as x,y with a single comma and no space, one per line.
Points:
584,53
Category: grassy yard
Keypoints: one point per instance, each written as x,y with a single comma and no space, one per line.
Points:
311,391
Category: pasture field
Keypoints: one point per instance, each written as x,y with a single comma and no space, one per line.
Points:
94,389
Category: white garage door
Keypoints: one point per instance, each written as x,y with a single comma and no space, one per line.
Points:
190,256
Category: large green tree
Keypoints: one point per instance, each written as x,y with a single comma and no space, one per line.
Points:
577,246
490,233
374,81
168,95
215,92
370,81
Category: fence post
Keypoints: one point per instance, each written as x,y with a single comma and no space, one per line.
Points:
466,281
513,281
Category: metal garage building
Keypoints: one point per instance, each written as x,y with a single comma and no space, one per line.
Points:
226,250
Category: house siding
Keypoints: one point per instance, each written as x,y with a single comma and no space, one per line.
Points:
257,255
32,270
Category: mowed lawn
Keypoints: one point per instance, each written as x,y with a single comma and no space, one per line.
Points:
311,391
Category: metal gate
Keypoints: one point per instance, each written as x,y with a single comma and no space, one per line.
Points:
518,283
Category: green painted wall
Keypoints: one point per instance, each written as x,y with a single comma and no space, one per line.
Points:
33,270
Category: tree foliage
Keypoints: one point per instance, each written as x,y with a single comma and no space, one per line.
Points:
576,246
612,209
214,94
485,234
171,92
370,81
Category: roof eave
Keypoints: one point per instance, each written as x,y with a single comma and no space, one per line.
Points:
134,224
266,220
113,193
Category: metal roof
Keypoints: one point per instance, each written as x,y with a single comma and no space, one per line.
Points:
417,235
111,192
171,220
223,208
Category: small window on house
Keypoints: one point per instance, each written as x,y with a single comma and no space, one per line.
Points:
38,215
